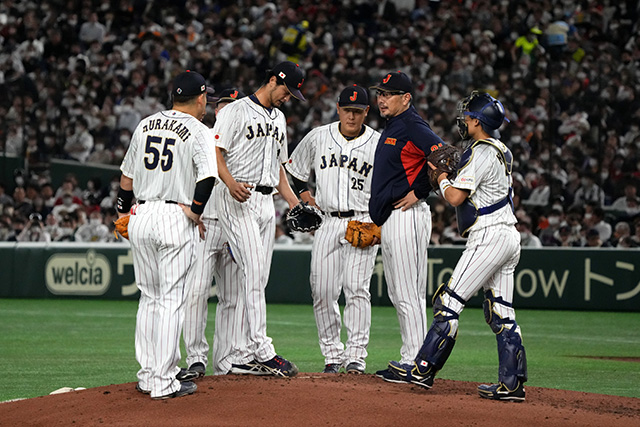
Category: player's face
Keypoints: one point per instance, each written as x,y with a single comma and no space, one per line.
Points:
220,106
279,95
473,126
391,104
351,120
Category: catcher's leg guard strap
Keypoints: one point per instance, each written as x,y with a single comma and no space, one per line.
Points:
441,338
490,314
512,357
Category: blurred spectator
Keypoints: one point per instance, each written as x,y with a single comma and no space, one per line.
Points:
69,205
34,230
94,230
21,204
629,204
589,191
621,235
527,238
595,220
539,196
593,240
92,30
5,199
68,226
555,220
80,143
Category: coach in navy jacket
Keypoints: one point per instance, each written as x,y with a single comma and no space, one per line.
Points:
399,187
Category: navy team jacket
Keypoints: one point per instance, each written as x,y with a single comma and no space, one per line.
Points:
400,163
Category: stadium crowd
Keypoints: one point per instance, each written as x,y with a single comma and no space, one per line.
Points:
78,75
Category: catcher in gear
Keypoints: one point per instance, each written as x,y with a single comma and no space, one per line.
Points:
481,192
341,155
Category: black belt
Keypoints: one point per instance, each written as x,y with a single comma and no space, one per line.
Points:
171,202
263,189
346,214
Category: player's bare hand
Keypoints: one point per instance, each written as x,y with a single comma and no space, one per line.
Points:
307,197
431,165
240,191
406,202
376,241
197,219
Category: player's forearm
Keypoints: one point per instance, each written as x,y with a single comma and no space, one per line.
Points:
285,189
454,196
223,171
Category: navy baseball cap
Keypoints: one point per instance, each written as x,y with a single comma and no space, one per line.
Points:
396,82
293,77
227,95
189,83
354,97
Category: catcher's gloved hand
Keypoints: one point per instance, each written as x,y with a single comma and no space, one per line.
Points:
445,159
304,218
360,234
122,225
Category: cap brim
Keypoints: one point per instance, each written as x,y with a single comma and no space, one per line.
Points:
356,106
386,89
210,98
296,93
226,99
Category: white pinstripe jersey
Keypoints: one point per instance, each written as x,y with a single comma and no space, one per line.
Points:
484,175
255,141
343,167
169,152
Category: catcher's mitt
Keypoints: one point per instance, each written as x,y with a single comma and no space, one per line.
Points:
122,225
445,159
360,234
304,218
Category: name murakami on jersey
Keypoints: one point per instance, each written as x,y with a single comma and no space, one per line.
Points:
87,273
171,125
344,161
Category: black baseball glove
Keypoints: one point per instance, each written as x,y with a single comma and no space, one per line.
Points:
445,159
304,218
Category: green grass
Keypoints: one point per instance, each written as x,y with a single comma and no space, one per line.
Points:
48,344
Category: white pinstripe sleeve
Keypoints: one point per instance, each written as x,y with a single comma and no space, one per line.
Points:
224,128
301,160
204,155
131,154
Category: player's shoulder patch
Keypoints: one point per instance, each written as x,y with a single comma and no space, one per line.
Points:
390,141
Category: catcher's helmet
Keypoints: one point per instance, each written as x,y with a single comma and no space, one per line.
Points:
483,107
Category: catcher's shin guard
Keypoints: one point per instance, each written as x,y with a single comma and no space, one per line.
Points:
512,358
442,334
511,354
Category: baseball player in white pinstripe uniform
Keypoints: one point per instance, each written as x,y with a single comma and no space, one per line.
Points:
341,154
399,189
213,259
170,168
251,141
481,192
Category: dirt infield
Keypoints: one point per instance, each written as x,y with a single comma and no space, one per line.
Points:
319,400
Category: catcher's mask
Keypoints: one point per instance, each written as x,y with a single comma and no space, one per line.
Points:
483,107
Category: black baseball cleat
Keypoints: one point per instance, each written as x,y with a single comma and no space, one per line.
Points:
280,367
141,390
199,370
186,388
250,368
501,392
389,376
355,368
331,368
411,373
186,375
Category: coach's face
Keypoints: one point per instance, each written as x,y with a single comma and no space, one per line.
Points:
391,104
351,120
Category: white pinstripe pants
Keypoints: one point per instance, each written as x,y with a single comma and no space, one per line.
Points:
250,228
162,242
213,260
405,239
488,262
336,265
